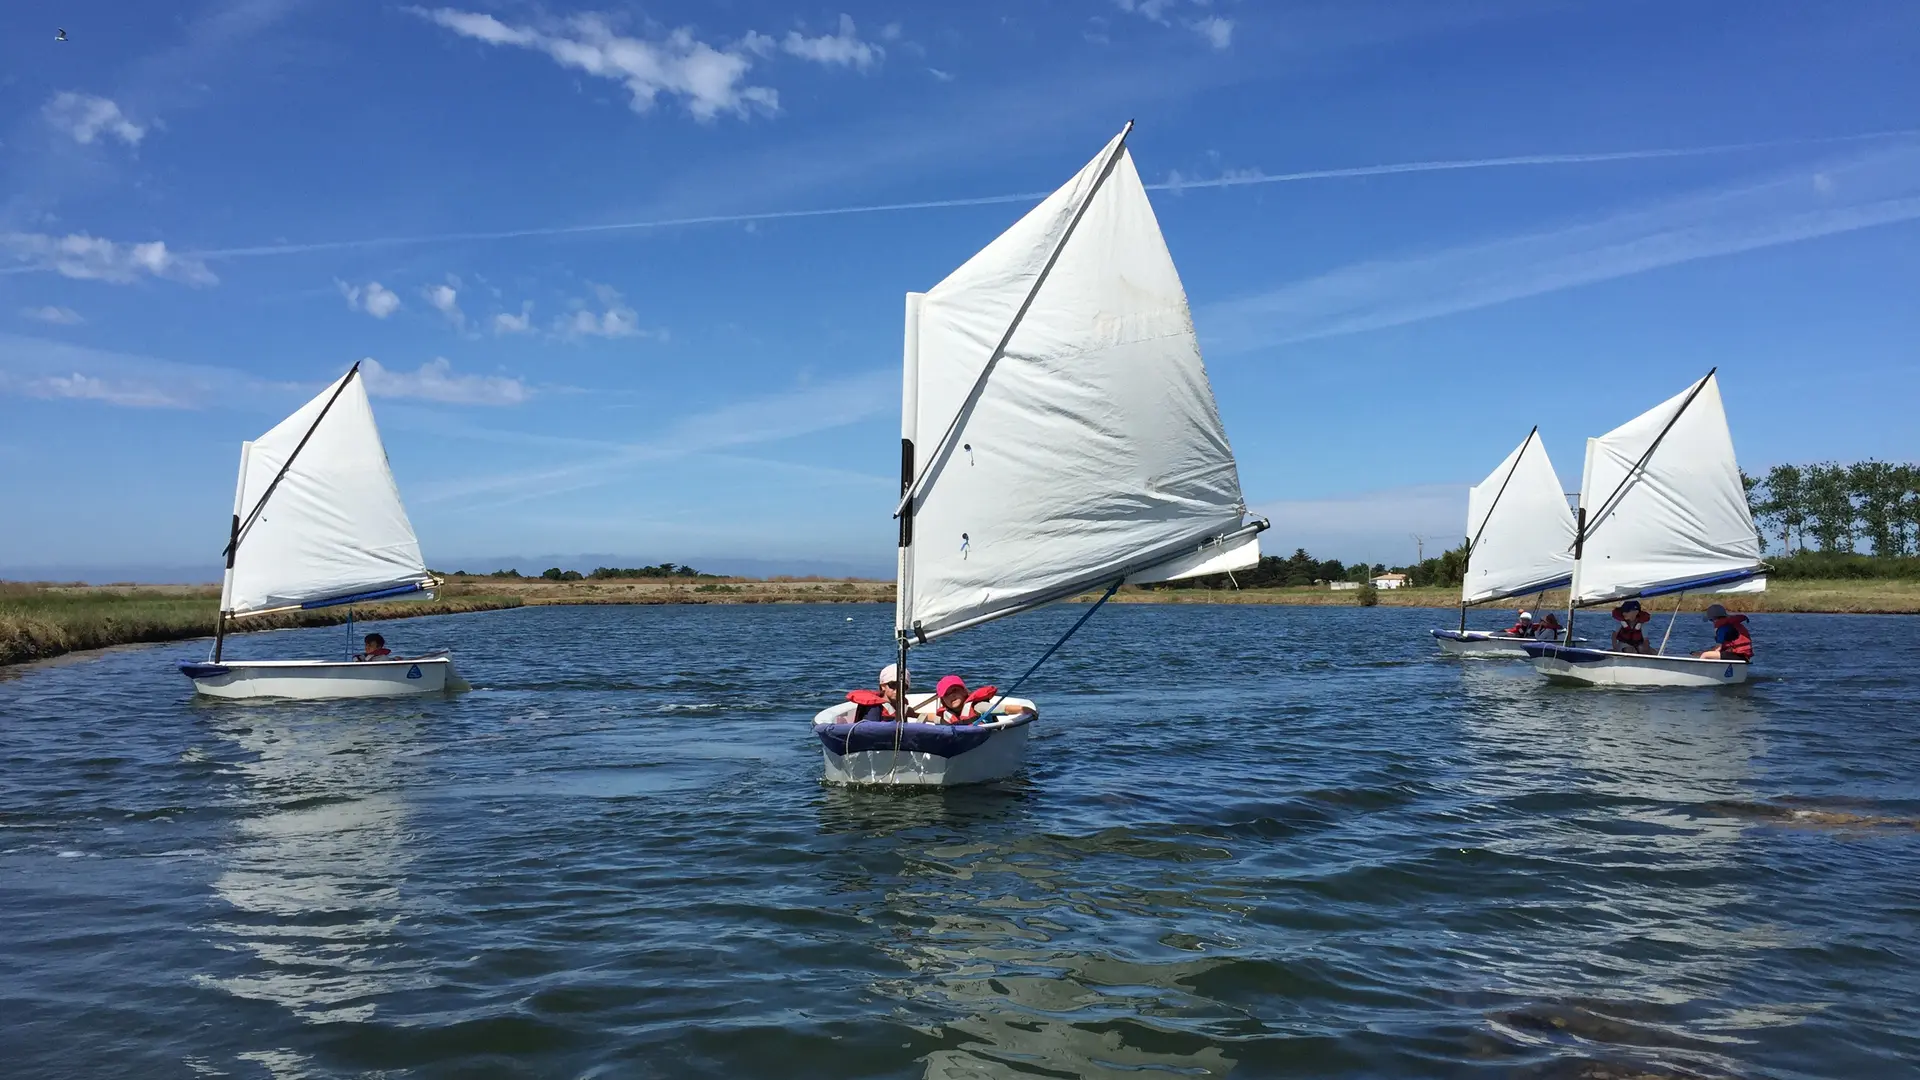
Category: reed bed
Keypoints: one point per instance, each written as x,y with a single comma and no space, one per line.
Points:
42,621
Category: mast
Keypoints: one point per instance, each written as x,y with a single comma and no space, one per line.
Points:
233,546
909,425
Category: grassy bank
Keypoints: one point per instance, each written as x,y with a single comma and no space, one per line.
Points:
668,591
41,621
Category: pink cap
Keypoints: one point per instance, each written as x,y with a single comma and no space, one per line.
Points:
948,683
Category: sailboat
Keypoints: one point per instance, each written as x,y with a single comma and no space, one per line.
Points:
317,522
1058,436
1519,542
1662,512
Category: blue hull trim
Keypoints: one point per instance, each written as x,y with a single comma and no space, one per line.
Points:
940,740
1691,584
203,671
1573,655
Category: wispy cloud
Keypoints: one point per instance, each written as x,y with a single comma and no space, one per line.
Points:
772,418
709,81
1237,179
58,316
435,381
1217,31
44,368
844,48
93,258
446,300
614,318
85,118
1876,189
506,323
373,298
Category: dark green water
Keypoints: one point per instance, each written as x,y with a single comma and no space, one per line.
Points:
1255,841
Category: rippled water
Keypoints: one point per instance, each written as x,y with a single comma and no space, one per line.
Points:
1254,841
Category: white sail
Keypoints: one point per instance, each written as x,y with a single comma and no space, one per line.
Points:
1666,511
1092,449
333,526
1520,528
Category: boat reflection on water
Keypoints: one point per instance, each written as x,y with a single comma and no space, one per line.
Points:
978,929
1622,797
313,879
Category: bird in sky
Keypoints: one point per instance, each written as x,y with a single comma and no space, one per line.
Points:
59,35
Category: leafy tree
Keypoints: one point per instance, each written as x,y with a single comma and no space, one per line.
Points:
1829,506
1784,505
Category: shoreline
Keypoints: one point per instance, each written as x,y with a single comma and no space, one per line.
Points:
42,622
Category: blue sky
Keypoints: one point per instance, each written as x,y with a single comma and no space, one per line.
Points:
580,247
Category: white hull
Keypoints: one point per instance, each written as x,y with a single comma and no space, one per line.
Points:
1003,753
1482,644
323,680
1595,667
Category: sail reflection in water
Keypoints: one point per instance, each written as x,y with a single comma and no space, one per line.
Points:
314,877
991,939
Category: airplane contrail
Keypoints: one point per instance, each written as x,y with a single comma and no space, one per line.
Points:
1391,169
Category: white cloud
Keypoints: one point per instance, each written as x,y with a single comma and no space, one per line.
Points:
709,81
1217,31
844,48
113,392
435,381
58,316
1152,9
373,298
504,323
1883,188
941,75
615,319
86,118
446,300
891,32
92,258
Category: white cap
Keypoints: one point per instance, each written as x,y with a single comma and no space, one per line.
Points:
1526,616
890,673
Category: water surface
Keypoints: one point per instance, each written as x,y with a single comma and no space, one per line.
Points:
1255,841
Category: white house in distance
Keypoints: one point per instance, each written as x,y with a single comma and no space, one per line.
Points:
1389,581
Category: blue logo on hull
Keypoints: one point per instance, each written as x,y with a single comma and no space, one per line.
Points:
413,671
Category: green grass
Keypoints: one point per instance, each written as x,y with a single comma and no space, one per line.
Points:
39,621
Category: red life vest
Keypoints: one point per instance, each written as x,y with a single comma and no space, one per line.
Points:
375,654
1740,645
1522,629
1630,635
866,701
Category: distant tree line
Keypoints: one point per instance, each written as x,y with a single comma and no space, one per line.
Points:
601,573
1838,509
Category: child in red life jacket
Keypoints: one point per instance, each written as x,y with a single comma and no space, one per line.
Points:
954,704
881,704
1732,641
376,648
1523,627
1629,638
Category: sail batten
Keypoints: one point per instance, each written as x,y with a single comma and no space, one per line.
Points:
1675,517
323,519
1520,529
1081,439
